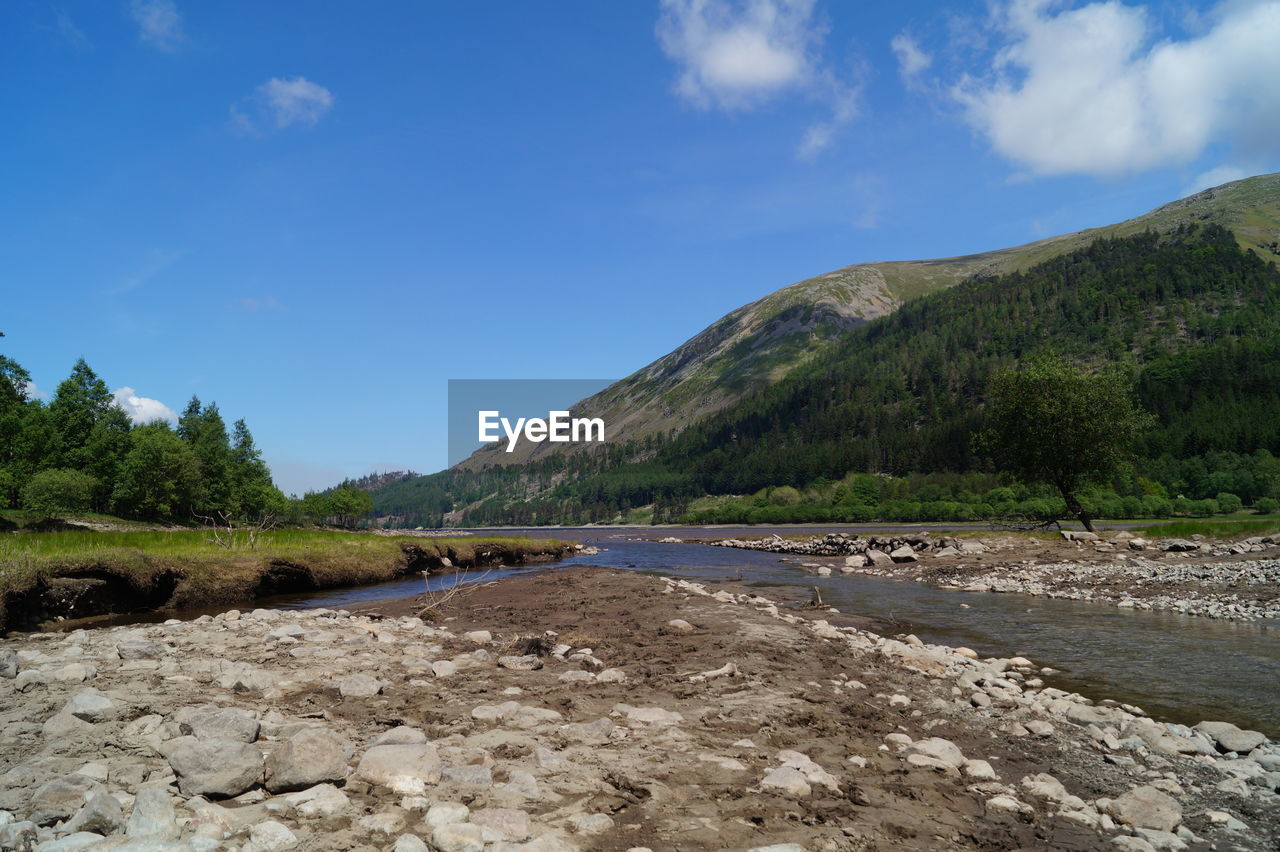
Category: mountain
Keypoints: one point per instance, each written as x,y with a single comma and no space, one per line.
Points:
760,343
811,382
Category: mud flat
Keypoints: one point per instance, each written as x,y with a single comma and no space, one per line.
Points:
589,709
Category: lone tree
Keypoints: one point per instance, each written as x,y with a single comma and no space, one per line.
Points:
1055,423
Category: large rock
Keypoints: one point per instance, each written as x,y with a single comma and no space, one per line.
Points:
309,757
1147,807
322,800
1230,738
140,649
91,706
458,837
211,722
403,768
102,813
218,768
935,752
904,554
60,798
359,686
787,780
152,815
8,663
879,558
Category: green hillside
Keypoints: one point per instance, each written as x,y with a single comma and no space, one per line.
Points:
1183,296
762,342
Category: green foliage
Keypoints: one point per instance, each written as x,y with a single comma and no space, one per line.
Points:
145,472
58,492
1052,422
159,478
1228,504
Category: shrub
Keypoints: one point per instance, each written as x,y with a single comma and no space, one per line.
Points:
58,492
1228,503
784,495
1157,507
1204,508
1266,505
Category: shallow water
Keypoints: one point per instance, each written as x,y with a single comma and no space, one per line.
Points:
1179,668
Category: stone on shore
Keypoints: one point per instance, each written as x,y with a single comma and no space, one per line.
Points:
210,722
215,767
359,686
152,815
1231,738
1147,807
309,757
403,768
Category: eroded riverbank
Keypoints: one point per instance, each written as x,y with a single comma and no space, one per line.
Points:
662,713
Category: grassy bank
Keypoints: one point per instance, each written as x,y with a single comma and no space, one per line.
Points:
122,571
1242,527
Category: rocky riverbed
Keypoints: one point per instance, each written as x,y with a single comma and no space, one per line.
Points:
590,709
1237,580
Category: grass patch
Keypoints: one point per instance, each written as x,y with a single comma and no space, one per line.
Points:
1243,528
144,563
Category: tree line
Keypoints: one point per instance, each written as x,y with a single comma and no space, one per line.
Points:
80,453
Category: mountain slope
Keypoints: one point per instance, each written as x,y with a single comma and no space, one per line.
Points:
762,342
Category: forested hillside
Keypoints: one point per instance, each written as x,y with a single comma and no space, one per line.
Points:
1194,318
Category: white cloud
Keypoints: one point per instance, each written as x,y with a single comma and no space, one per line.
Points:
735,56
1214,177
34,392
280,103
159,23
912,60
142,409
1090,90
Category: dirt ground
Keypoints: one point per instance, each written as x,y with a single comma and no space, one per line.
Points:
794,695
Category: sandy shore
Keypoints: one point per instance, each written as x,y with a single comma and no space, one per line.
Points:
590,709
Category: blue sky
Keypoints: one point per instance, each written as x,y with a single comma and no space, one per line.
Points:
318,213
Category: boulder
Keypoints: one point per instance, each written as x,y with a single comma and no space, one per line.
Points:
458,837
218,768
787,780
309,757
211,722
524,663
91,705
403,768
879,558
270,836
1147,807
904,554
152,815
140,649
102,814
934,751
60,798
322,800
1231,738
359,686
